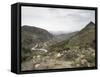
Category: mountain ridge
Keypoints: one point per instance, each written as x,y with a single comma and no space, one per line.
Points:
86,35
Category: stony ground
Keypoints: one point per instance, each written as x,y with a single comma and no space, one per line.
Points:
64,59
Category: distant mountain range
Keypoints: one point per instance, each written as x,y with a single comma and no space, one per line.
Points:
65,36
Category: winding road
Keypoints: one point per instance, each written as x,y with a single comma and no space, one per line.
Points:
41,49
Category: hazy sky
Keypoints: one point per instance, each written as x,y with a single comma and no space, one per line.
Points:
56,19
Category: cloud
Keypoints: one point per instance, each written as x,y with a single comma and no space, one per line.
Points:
56,19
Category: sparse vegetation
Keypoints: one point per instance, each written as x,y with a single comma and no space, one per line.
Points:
75,51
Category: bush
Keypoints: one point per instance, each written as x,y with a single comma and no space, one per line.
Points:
70,55
25,54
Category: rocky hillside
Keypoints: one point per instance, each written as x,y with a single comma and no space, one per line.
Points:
86,37
80,48
32,36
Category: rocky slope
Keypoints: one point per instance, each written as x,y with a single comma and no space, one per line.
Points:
80,48
32,36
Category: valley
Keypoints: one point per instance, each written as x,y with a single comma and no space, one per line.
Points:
44,50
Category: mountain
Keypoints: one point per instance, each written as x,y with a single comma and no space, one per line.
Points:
86,37
32,36
65,36
78,49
